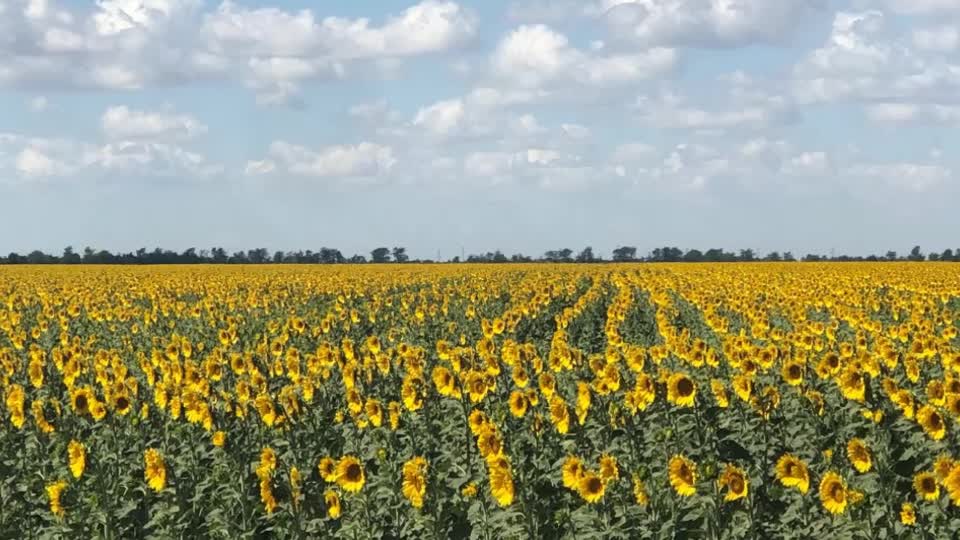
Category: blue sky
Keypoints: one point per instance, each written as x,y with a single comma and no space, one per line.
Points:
520,125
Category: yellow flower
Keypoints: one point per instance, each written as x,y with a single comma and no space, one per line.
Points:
639,491
296,486
155,472
681,390
908,516
925,484
683,475
77,458
469,491
591,487
573,471
859,455
952,484
350,475
518,404
608,468
501,481
792,472
414,485
328,469
833,493
735,480
792,373
219,439
932,422
332,500
54,491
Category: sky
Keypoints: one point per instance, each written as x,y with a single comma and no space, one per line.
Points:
471,126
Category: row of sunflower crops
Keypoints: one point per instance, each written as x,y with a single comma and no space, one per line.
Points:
514,401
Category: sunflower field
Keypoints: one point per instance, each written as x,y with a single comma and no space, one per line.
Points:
774,400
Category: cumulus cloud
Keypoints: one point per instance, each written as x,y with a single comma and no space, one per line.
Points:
121,122
534,56
133,44
361,160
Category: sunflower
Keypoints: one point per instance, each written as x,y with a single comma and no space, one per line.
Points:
332,500
445,382
518,404
859,455
573,470
296,486
640,492
609,471
374,411
925,484
743,387
833,493
477,421
591,487
219,439
350,474
54,492
792,472
469,491
792,373
683,475
155,472
720,393
582,407
328,469
952,484
932,422
414,485
681,390
942,466
735,480
908,516
77,457
489,443
559,414
40,418
80,400
501,481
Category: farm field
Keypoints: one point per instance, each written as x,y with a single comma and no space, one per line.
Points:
769,400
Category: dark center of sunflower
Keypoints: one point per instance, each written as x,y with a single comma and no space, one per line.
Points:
82,403
122,403
928,485
836,492
594,485
794,371
685,387
935,421
736,484
353,472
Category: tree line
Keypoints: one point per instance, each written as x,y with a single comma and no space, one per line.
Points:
325,255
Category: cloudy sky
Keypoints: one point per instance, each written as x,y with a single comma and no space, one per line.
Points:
804,125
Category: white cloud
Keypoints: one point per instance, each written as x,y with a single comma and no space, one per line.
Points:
937,39
913,177
441,118
32,162
533,56
343,161
924,7
705,23
902,113
120,122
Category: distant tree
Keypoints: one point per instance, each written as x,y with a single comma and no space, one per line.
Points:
586,256
933,256
915,254
455,260
219,255
331,256
693,255
520,257
773,256
747,255
69,257
625,253
788,257
400,255
357,259
891,256
380,255
278,257
947,255
14,258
